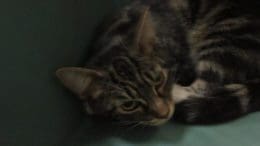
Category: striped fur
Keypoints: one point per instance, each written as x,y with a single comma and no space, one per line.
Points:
201,56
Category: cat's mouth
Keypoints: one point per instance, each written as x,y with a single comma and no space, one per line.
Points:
155,122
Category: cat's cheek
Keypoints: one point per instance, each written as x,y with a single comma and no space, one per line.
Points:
171,109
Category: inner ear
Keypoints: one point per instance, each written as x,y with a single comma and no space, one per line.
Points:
145,34
79,80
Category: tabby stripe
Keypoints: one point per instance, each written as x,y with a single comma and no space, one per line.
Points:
213,71
226,30
211,43
210,75
187,10
123,84
222,14
206,67
209,17
180,5
130,92
248,43
206,6
229,25
181,8
221,46
228,60
123,28
227,49
194,7
233,22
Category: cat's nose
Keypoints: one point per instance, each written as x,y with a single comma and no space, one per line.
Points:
160,108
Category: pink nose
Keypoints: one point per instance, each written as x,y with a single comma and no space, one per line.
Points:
160,108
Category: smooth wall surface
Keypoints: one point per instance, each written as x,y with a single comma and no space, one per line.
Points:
37,37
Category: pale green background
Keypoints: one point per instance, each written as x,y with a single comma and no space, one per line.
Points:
37,37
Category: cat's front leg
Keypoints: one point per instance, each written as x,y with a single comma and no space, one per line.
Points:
207,103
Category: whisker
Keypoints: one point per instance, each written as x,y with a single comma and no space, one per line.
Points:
126,123
134,126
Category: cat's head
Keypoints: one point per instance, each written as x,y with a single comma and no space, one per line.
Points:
130,90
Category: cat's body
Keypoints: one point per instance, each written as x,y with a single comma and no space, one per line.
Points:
207,52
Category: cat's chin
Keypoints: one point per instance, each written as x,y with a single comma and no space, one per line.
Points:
155,122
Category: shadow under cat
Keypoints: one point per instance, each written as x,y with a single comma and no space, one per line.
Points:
98,131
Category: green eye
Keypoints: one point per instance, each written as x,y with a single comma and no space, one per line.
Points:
129,106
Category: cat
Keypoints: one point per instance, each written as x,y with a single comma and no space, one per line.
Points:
193,61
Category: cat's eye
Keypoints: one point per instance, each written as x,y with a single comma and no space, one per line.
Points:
129,106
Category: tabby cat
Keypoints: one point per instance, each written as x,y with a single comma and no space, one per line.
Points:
196,61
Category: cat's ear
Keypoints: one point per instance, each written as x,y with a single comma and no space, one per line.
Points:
78,80
145,35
